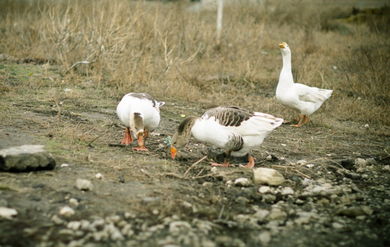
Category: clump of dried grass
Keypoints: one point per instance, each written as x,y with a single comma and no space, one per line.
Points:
162,49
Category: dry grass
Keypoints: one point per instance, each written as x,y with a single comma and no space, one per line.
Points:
171,53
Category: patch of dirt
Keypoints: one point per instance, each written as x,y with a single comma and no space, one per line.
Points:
336,191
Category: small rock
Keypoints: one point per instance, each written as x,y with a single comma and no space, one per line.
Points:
268,198
276,214
265,189
73,202
265,238
74,225
67,211
355,211
267,176
7,213
244,182
360,162
99,176
337,225
127,231
84,184
287,191
178,227
57,220
261,214
301,162
64,165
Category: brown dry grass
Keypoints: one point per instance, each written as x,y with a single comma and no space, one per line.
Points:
171,53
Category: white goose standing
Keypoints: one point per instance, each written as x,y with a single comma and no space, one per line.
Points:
235,130
303,98
140,113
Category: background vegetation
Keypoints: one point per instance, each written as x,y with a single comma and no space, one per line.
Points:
171,53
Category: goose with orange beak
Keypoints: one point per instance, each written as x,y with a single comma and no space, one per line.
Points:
233,129
140,113
298,96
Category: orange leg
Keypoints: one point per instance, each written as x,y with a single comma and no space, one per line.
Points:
305,119
141,143
146,133
300,121
224,164
251,162
127,139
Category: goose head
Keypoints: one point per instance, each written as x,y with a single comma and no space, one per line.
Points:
182,135
284,48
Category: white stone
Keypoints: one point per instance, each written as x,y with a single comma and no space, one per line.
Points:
265,237
265,189
337,225
99,176
244,182
57,220
73,202
267,176
360,162
276,214
66,211
7,213
64,165
287,191
74,225
301,162
84,184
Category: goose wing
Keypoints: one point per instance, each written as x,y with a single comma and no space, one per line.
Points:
312,94
244,122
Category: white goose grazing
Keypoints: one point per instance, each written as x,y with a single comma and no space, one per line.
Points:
303,98
140,113
235,130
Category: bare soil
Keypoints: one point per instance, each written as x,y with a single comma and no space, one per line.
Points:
339,176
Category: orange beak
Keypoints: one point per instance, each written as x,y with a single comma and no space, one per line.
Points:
173,152
281,45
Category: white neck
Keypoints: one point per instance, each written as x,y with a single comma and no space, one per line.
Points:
286,76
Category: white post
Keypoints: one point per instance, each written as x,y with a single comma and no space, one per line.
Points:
219,20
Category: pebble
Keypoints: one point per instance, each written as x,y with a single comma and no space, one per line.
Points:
244,182
265,238
261,214
99,176
265,189
84,184
177,227
74,225
57,220
67,211
267,176
337,225
287,191
73,202
276,214
7,213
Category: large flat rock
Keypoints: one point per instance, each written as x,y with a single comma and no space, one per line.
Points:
25,158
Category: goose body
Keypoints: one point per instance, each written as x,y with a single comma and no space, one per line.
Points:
140,113
298,96
233,129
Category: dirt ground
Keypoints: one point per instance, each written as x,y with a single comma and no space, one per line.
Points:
336,191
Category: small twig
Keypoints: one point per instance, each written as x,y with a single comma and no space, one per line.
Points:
221,212
173,175
194,164
144,172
